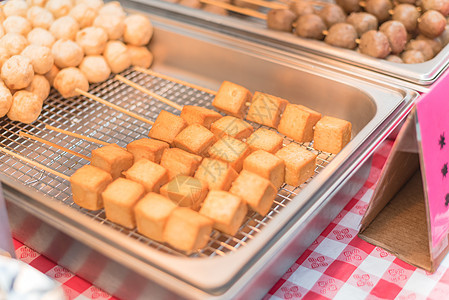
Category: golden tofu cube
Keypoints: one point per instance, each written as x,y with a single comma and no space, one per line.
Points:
185,191
187,230
266,109
265,139
230,150
231,99
88,182
180,162
256,191
119,199
266,165
232,126
195,139
166,127
152,213
112,159
218,174
297,123
331,134
316,116
151,175
299,164
147,148
199,115
228,211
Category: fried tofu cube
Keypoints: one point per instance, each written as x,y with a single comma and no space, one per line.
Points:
331,134
147,148
152,213
256,191
228,211
166,127
119,199
180,162
218,174
187,230
232,126
316,116
230,150
231,99
112,159
151,175
265,139
195,139
297,123
266,165
299,164
88,182
266,109
199,115
186,191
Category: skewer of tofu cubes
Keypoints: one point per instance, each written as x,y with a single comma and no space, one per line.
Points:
202,171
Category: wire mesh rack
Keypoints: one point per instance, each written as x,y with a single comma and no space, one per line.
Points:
87,117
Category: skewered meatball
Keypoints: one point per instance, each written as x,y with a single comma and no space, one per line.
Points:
17,72
4,55
113,25
138,30
14,43
117,56
59,8
40,3
394,58
300,8
41,37
280,19
396,34
332,14
26,107
421,46
379,8
40,87
50,75
5,99
40,17
17,24
408,15
112,9
15,8
65,28
349,6
140,56
67,53
375,44
413,2
412,57
362,22
432,24
435,44
92,40
41,58
95,68
68,80
444,37
310,26
439,5
83,14
342,35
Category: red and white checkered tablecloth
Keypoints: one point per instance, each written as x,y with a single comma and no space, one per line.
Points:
338,265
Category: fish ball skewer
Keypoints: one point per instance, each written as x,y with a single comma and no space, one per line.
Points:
17,72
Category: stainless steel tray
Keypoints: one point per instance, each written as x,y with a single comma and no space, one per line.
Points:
130,266
416,76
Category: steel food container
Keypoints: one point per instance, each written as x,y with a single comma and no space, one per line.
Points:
130,266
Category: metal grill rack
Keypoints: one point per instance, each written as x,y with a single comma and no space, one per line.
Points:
89,118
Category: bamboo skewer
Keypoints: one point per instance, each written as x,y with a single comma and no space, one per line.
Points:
241,10
82,137
36,164
268,4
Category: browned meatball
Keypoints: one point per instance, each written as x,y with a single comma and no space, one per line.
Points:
408,2
444,37
362,22
408,15
280,19
349,6
379,8
310,26
332,14
394,58
421,46
396,34
412,57
302,8
439,5
374,43
432,24
342,35
435,44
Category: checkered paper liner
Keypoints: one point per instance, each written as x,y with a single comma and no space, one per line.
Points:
338,264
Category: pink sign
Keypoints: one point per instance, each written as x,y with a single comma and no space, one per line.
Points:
433,134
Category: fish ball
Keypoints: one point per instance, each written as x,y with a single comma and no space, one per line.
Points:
50,75
95,68
41,37
40,3
92,40
40,17
17,72
70,79
14,43
5,99
83,14
59,8
112,9
26,107
17,24
4,55
138,30
117,56
140,56
65,28
15,8
95,4
113,25
41,58
40,87
2,31
67,53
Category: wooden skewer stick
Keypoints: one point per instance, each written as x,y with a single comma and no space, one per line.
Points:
36,164
148,92
79,136
268,4
32,137
241,10
111,105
